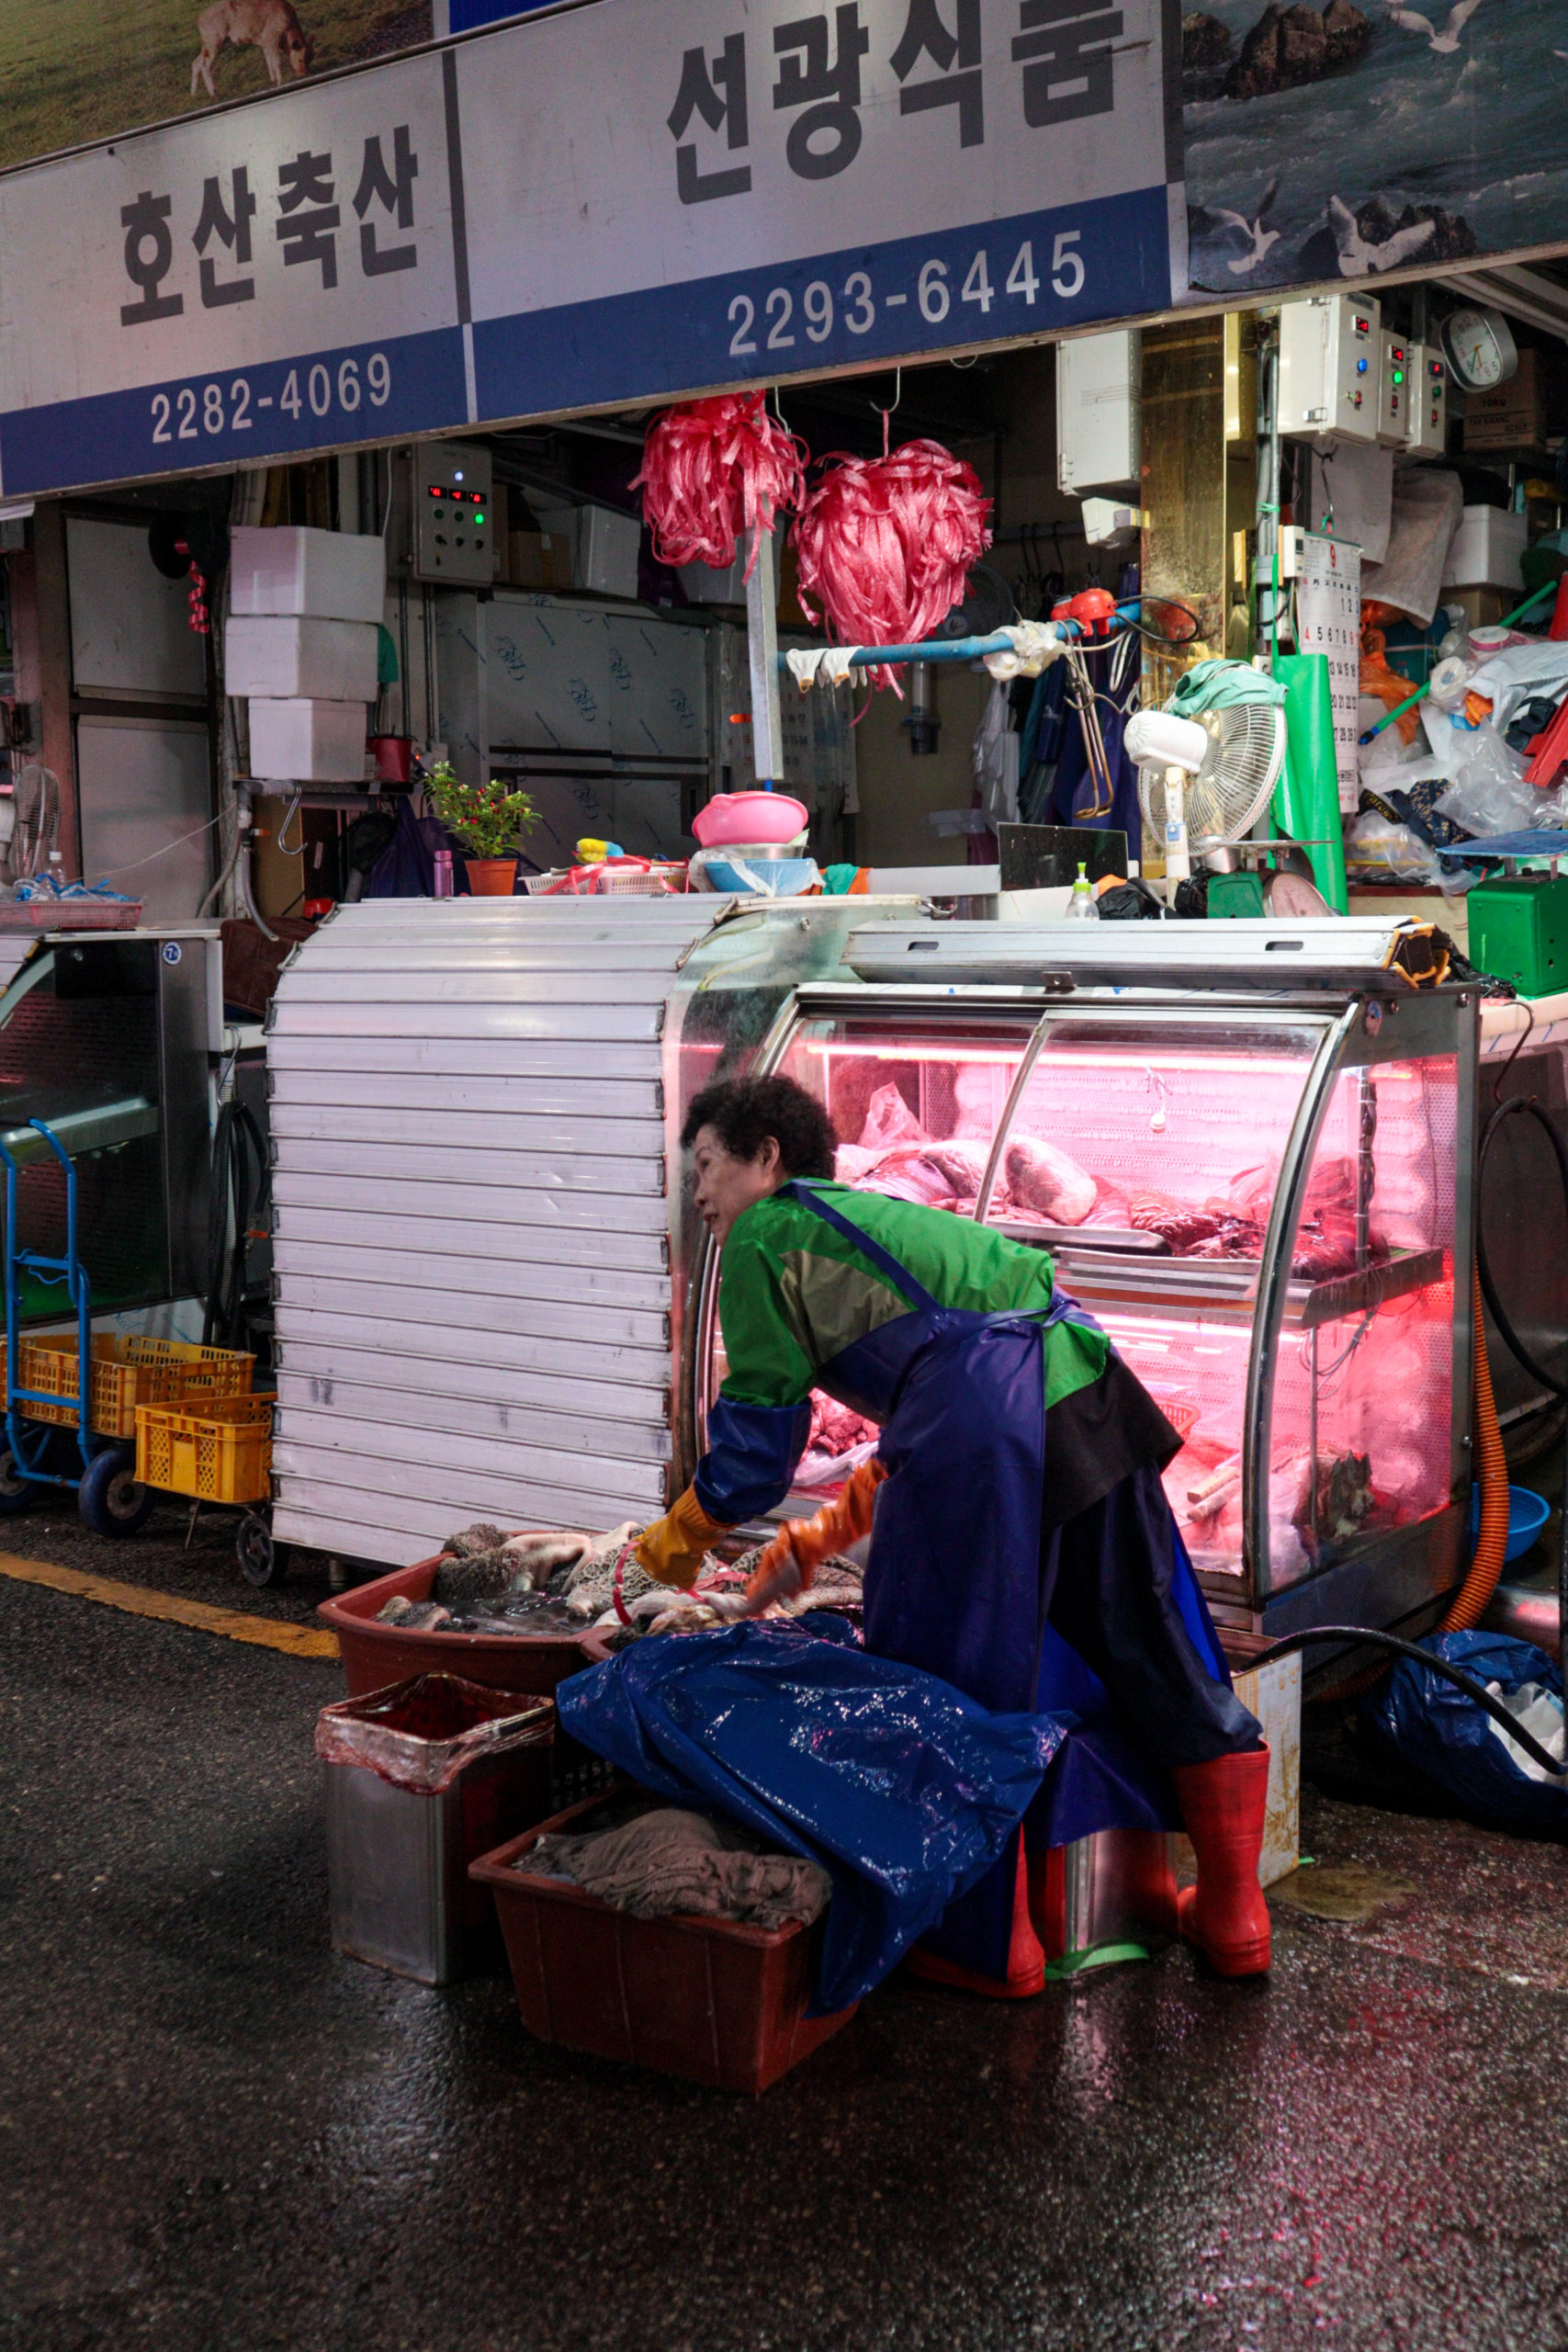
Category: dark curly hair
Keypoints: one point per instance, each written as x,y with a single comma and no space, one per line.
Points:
744,1112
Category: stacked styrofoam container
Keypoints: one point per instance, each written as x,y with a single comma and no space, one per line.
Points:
301,644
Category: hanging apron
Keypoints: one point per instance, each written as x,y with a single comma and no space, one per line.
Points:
954,1581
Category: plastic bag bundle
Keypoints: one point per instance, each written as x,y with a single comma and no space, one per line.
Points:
1378,849
712,470
420,1734
1439,1728
885,543
1490,795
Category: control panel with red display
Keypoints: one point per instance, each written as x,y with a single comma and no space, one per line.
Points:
1331,367
1427,434
1395,391
453,527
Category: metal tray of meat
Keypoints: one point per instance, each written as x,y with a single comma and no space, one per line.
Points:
1226,1288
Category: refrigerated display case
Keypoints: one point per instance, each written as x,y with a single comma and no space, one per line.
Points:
494,1294
1264,1202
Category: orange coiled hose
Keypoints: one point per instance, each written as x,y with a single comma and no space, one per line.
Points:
1487,1566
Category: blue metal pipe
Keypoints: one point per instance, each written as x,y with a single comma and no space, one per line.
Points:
954,648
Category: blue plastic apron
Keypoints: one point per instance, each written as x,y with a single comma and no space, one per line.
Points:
953,1584
954,1581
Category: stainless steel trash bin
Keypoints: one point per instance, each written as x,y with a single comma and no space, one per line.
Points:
397,1854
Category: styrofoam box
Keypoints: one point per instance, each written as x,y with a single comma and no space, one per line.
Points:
282,654
299,742
334,575
1486,550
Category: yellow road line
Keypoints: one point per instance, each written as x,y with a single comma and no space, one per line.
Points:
267,1632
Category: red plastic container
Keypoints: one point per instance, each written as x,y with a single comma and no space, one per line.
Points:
375,1655
708,1999
394,755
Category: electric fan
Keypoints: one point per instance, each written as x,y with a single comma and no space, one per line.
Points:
1203,782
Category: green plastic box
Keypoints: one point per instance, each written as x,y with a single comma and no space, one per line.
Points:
1518,931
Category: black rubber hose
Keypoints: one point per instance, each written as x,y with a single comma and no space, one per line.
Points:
1467,1683
1528,1105
1549,1381
238,1195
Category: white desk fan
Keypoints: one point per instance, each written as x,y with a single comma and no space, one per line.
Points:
1203,782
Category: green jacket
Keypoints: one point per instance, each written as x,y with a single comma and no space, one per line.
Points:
793,1292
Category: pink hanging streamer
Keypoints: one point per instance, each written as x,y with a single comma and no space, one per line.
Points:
886,544
712,470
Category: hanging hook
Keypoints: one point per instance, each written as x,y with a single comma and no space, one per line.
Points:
289,813
885,413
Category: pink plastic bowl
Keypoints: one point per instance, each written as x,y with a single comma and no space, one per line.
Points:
732,817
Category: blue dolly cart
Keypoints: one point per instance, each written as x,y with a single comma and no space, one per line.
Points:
108,1497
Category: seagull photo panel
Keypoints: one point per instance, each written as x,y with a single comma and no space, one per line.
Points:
1353,141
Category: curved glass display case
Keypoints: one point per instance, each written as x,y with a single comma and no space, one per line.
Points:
1263,1202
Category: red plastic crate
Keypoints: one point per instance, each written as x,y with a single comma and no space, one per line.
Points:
708,1999
375,1655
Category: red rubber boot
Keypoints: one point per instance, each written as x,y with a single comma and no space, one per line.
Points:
1225,1915
1026,1961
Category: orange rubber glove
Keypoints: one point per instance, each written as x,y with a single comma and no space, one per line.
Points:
671,1550
789,1564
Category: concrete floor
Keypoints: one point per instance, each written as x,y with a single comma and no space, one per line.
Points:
216,2134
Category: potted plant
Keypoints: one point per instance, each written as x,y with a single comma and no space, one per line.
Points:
487,820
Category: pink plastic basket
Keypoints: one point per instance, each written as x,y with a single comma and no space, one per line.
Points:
741,817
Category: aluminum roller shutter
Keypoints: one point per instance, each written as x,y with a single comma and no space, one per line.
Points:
471,1248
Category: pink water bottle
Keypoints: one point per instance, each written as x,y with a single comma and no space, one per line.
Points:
442,859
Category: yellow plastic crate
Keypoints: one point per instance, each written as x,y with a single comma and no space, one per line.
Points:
128,1371
221,1454
206,1372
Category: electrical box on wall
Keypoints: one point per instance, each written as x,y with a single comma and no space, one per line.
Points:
1098,411
1428,418
1396,391
1330,366
454,528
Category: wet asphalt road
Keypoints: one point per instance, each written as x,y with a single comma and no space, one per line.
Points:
159,1557
216,2134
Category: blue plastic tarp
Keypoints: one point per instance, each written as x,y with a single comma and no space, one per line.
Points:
903,1789
1434,1724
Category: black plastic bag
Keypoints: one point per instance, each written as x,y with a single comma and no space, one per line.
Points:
1432,1723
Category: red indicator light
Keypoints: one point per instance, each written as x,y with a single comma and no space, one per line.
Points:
436,491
